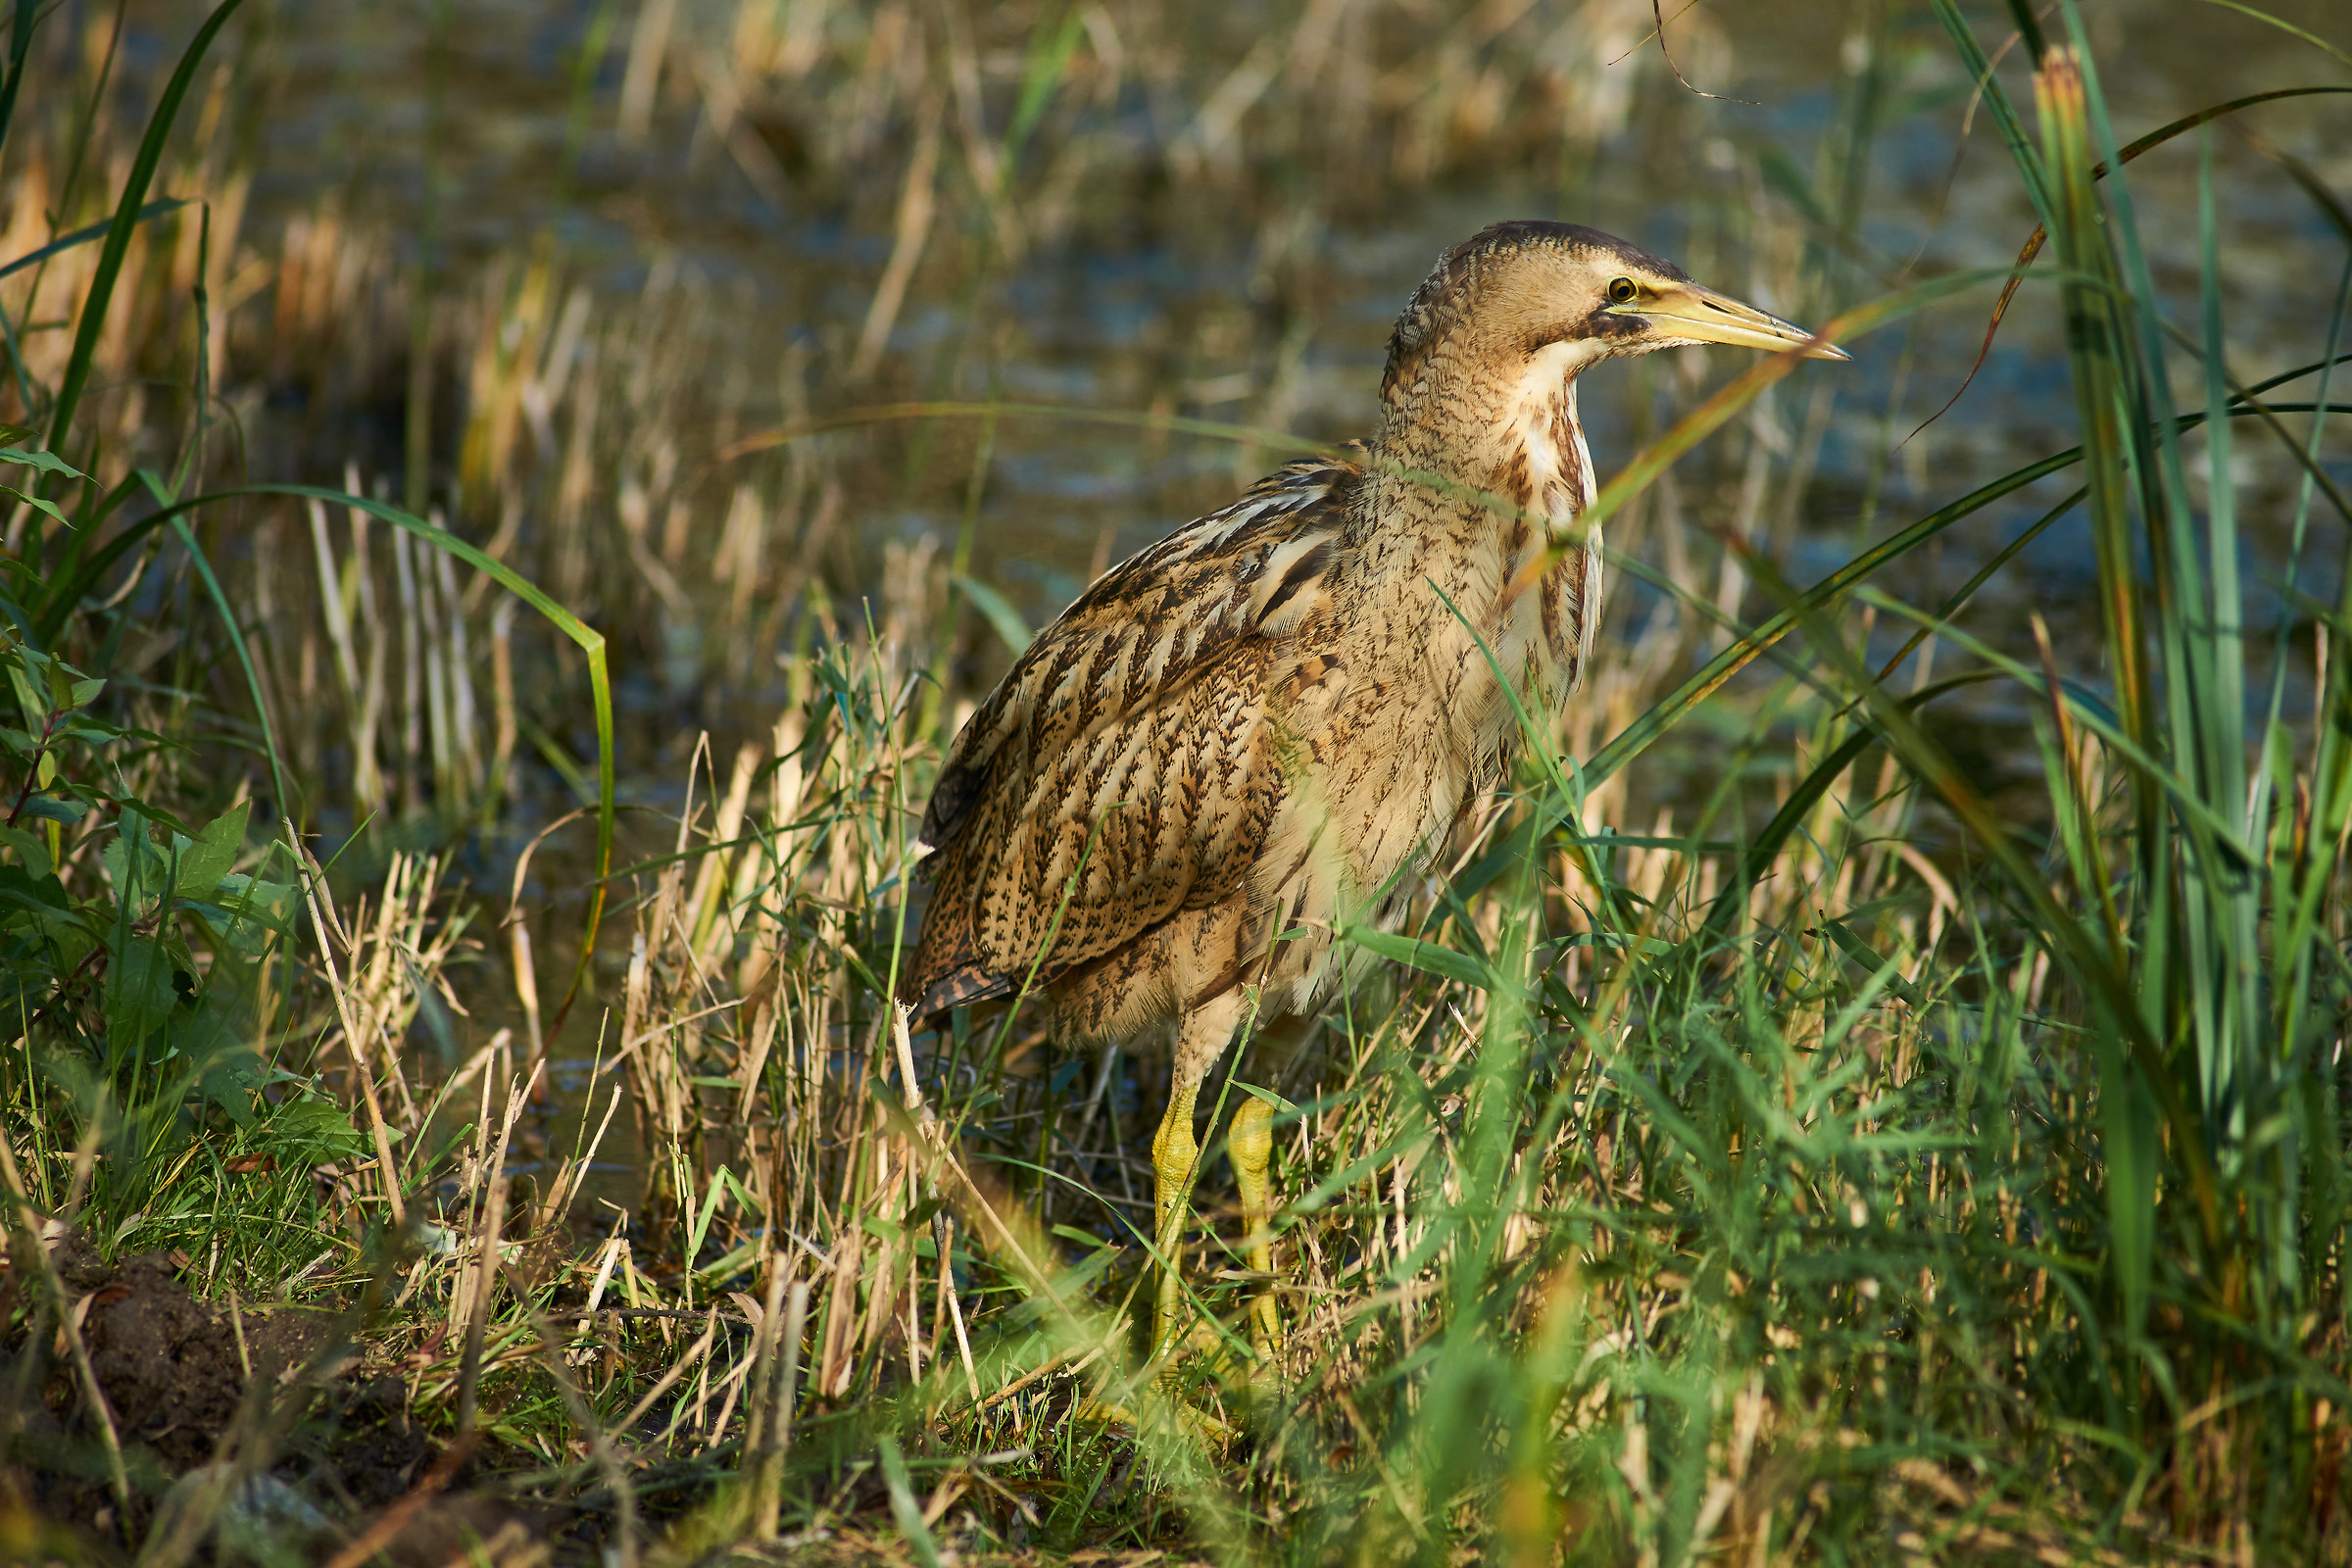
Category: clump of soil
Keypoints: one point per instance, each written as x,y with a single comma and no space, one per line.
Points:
171,1371
169,1363
175,1379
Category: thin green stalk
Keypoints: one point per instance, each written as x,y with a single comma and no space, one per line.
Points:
19,42
128,212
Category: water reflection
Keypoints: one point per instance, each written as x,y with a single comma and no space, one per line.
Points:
1240,298
1211,215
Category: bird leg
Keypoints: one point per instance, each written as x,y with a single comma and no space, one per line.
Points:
1173,1154
1200,1041
1250,1142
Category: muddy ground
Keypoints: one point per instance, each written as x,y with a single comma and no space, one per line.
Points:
184,1395
312,1441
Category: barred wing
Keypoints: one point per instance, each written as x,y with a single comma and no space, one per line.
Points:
1123,772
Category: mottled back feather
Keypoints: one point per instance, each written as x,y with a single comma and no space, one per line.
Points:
1123,771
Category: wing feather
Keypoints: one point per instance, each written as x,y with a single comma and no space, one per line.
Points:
1129,741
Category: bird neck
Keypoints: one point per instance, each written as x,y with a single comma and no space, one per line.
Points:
1500,445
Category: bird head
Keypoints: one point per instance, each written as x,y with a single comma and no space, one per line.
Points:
1551,298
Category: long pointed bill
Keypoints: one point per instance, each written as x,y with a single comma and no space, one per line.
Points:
1686,311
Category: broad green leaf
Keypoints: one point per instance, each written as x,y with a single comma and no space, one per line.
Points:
139,994
40,892
31,848
1267,1098
96,732
35,502
228,1081
45,461
204,861
28,692
133,863
206,1035
49,809
317,1130
245,923
250,899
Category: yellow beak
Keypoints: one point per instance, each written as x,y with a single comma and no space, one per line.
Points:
1686,311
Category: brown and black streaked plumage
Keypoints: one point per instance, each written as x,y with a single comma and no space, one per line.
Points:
1260,724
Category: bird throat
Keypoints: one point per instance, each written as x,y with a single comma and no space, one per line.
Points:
1519,554
1546,470
1544,463
1515,437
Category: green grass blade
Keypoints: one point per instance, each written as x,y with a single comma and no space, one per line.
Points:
2217,825
2067,937
2227,744
590,642
1669,711
904,1511
2004,113
1802,799
77,575
2153,139
937,409
127,218
156,208
236,639
1050,50
19,40
998,611
2285,27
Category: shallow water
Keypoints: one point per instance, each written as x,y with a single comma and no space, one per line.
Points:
1264,300
1162,299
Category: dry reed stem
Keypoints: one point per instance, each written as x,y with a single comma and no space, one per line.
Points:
356,1043
578,414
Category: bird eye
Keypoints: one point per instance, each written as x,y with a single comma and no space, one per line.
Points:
1622,291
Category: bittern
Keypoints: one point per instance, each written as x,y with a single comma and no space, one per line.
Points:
1249,735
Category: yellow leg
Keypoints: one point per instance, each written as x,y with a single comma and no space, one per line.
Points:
1201,1040
1173,1155
1252,1145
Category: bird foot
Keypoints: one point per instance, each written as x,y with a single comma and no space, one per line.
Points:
1189,1365
1254,1369
1204,1425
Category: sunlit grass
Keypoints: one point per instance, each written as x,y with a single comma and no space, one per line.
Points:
1842,1164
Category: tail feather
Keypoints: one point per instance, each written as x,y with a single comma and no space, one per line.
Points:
959,988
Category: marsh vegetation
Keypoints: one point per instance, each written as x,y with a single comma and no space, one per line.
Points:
507,503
